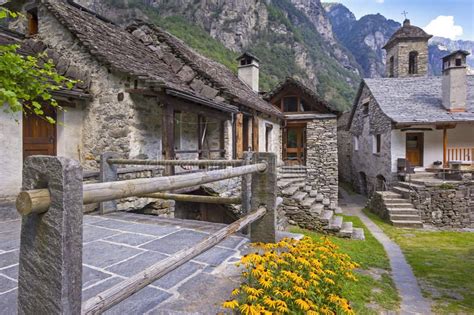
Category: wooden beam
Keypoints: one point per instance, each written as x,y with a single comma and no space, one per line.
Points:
445,147
177,162
124,289
34,200
190,107
255,133
195,198
239,135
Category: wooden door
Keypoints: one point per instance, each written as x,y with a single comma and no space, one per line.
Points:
294,142
39,136
414,148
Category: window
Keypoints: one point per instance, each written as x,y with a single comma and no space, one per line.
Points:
32,22
458,62
290,104
356,143
391,67
413,62
268,137
377,144
365,108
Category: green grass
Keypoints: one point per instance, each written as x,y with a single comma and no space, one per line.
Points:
369,254
443,262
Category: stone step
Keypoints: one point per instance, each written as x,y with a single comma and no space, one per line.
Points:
395,200
335,224
346,229
358,234
284,183
317,209
288,167
326,216
412,185
401,211
407,224
299,196
292,175
404,205
308,202
405,217
291,190
389,194
402,191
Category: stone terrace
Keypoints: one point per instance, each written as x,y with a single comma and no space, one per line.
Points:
119,245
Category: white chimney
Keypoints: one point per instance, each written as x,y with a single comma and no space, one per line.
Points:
454,83
249,70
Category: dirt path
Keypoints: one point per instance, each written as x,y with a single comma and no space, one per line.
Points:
413,301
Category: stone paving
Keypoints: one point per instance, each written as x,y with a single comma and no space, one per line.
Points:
119,245
405,281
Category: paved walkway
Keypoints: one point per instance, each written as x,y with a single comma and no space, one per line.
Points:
413,301
120,245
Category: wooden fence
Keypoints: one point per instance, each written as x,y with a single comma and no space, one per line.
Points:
461,154
50,270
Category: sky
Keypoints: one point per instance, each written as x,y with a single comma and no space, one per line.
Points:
447,18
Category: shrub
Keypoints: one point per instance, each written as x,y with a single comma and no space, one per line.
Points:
293,277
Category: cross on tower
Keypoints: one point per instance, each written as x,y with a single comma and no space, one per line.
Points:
405,14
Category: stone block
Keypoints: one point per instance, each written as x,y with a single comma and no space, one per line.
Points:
136,264
131,239
215,256
173,278
92,276
174,242
102,254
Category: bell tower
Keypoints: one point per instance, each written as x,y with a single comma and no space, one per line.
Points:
407,52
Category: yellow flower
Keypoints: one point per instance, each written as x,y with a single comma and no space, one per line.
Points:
299,290
330,281
265,283
232,304
251,298
302,304
236,291
248,309
270,302
282,307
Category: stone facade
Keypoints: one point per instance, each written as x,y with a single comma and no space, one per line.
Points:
321,162
344,148
367,165
400,53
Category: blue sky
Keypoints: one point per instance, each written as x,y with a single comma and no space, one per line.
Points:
447,18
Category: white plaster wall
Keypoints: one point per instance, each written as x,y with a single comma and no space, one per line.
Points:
460,137
11,154
69,133
275,143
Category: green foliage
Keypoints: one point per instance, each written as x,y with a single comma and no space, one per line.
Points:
26,82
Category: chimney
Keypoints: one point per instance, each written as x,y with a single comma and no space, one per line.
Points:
249,70
454,82
406,22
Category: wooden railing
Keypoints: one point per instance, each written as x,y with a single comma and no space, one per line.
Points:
461,154
50,278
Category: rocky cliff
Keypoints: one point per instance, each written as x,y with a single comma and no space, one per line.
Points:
291,37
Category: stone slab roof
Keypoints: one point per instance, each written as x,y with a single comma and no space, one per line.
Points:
418,100
124,52
407,32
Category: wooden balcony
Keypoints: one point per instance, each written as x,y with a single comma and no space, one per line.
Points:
464,155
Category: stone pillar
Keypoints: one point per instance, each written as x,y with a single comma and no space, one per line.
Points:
50,271
322,159
108,173
264,193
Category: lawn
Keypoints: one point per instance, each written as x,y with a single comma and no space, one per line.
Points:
375,292
443,262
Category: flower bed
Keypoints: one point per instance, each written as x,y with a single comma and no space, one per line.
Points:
293,277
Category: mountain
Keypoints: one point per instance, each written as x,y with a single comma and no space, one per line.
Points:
290,37
365,37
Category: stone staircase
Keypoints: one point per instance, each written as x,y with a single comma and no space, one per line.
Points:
307,208
401,212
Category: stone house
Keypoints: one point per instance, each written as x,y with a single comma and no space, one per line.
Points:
409,122
144,94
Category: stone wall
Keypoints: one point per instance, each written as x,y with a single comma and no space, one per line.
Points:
400,54
365,163
447,205
344,148
321,161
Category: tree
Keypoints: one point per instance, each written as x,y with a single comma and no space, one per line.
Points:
27,83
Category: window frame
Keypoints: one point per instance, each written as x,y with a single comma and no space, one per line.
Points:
377,144
356,143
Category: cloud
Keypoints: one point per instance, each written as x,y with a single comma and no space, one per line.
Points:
444,26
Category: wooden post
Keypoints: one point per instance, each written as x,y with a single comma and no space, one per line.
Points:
50,270
255,133
108,173
239,135
264,194
246,188
445,147
168,137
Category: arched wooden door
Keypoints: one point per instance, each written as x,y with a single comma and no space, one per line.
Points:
39,136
